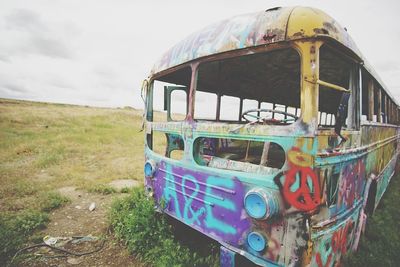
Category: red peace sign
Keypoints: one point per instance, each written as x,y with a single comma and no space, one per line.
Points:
302,198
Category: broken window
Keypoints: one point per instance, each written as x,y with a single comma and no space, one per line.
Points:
239,155
166,144
168,100
338,74
206,106
245,85
375,101
169,96
229,108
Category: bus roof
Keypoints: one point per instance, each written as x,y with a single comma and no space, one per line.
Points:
256,29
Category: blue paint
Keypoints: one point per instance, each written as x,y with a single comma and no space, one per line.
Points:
148,169
255,205
204,215
210,221
194,215
261,204
170,191
226,257
256,241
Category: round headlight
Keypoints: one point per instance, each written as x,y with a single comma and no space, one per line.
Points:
256,241
149,168
260,204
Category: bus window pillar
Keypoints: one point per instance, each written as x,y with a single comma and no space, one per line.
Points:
240,109
379,105
192,89
218,106
386,110
353,108
371,108
309,76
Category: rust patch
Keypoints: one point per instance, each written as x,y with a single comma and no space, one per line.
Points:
269,37
312,49
272,35
330,27
321,31
299,34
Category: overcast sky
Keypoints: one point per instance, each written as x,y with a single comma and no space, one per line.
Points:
97,52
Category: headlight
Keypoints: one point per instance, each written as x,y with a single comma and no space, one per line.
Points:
149,168
256,241
261,204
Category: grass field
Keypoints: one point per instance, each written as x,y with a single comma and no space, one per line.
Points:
44,147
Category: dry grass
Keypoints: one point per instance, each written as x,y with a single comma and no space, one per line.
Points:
47,146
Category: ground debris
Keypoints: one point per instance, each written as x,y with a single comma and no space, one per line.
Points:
92,206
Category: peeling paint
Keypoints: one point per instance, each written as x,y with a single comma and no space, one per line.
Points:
321,187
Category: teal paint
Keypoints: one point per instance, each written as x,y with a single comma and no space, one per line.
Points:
170,191
211,221
188,202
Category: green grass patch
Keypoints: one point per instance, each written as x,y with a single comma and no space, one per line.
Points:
125,190
50,158
24,188
102,189
52,200
15,229
380,245
151,237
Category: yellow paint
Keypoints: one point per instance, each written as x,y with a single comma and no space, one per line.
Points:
307,254
333,86
311,22
309,76
300,158
304,20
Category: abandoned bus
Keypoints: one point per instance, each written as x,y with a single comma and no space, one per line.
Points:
275,139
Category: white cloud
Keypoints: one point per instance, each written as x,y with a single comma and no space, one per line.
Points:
97,52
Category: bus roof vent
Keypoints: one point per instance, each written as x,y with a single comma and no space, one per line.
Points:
273,9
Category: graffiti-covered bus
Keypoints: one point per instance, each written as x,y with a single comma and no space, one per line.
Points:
271,134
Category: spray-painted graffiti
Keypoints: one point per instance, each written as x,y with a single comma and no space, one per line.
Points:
300,187
323,258
344,185
238,32
384,179
210,203
302,197
351,184
320,181
333,245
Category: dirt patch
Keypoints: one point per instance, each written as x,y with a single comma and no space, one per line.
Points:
75,219
124,183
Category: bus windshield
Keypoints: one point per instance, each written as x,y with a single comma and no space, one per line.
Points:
261,87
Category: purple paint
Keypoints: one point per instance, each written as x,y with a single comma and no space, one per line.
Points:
210,204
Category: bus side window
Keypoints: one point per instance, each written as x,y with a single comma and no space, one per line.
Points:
229,108
337,71
375,102
169,97
205,107
178,104
250,104
167,145
159,115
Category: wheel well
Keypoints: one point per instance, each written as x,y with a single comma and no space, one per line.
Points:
370,206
